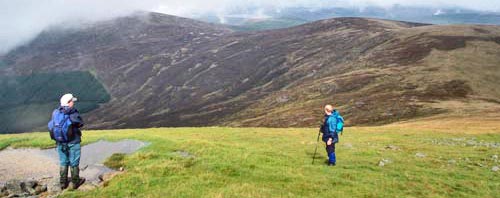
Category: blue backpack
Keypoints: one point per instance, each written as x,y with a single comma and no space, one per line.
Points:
59,126
340,124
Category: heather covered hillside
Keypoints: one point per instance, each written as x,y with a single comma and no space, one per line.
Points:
161,70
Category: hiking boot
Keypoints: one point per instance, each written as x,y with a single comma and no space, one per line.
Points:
76,180
332,164
63,177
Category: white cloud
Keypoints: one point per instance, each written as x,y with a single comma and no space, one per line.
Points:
21,20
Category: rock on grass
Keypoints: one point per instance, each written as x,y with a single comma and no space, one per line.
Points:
420,155
384,162
392,147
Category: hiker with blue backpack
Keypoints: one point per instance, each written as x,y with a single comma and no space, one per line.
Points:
332,126
64,128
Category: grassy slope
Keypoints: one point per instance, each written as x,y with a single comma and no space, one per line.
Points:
261,162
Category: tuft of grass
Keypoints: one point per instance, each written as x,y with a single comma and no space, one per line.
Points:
265,162
115,161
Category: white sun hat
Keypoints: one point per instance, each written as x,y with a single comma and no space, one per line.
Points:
66,99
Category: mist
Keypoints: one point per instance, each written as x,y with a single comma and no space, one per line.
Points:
22,20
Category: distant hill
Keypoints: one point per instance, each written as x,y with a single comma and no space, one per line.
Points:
162,70
263,19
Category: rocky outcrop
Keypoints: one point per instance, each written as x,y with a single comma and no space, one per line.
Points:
17,188
49,186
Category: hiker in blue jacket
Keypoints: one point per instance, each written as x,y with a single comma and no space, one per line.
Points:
330,133
69,151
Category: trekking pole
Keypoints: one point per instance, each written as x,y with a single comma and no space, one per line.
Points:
316,149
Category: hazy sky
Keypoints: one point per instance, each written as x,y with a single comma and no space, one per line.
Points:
21,20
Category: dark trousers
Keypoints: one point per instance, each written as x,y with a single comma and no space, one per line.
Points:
330,150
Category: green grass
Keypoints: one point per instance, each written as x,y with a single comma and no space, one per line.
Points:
262,162
116,161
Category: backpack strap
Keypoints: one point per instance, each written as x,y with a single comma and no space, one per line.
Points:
64,120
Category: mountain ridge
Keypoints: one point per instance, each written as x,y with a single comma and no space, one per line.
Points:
164,71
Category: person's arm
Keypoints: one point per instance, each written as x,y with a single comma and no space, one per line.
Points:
76,119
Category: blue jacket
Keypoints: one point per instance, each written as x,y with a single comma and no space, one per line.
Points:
76,123
330,127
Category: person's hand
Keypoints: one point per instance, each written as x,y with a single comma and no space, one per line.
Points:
329,142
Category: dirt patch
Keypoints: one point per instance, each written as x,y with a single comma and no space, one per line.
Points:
450,89
26,163
39,164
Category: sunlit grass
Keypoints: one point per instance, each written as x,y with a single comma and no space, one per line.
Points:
265,162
